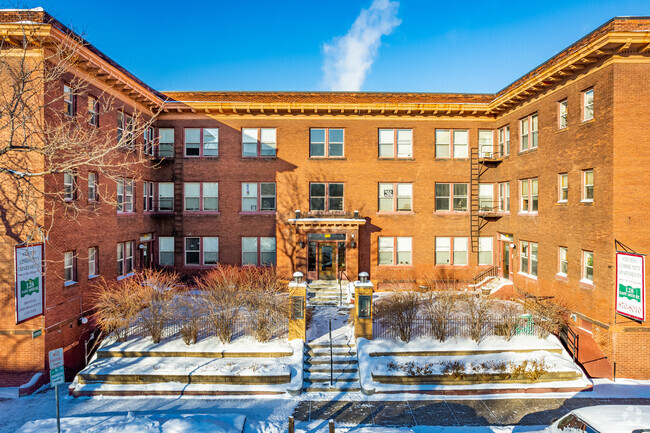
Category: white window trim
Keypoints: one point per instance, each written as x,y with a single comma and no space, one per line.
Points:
451,197
259,143
583,272
395,143
452,250
396,251
584,186
326,145
451,144
584,105
93,261
559,187
559,262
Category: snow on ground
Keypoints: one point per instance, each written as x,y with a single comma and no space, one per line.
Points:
434,429
492,343
11,392
342,331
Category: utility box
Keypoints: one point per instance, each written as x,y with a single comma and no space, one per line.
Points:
363,291
298,308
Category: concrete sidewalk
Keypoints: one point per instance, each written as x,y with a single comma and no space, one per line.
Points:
446,412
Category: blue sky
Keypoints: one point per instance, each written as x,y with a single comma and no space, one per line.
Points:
450,46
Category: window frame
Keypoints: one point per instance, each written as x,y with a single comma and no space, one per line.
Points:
326,144
124,204
560,261
452,197
395,197
148,194
69,186
562,190
92,187
395,251
201,143
165,251
478,254
172,198
72,257
452,251
482,153
259,143
69,101
327,197
148,141
452,143
93,258
562,114
125,126
586,186
93,111
259,251
200,197
122,249
527,246
531,135
503,136
585,104
201,251
163,144
504,197
395,143
258,198
585,267
529,195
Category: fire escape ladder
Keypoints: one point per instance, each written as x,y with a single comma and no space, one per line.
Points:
475,219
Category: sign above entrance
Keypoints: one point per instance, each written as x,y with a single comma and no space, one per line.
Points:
326,236
630,285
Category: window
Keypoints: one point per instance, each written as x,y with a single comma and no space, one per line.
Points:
258,142
528,258
165,196
258,251
251,201
395,142
125,125
69,186
124,258
92,186
93,266
504,197
201,196
562,114
485,143
166,142
445,198
147,196
528,128
326,196
444,247
201,141
563,262
486,197
389,201
452,143
588,267
485,250
69,267
504,141
192,251
588,186
68,101
588,104
325,143
201,251
563,188
210,250
93,111
125,195
395,251
529,195
166,251
148,141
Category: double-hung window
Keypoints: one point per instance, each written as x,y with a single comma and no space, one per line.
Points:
563,265
444,248
326,197
147,196
486,197
504,141
166,196
69,100
452,143
528,258
201,251
562,112
166,251
148,141
485,143
125,195
588,186
93,262
504,197
395,251
69,267
166,142
93,111
201,141
124,258
587,267
588,105
529,195
125,127
258,197
528,132
258,142
395,142
395,197
69,186
451,197
201,196
563,188
325,143
485,254
92,186
258,251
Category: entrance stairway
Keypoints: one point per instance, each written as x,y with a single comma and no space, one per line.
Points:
344,368
328,293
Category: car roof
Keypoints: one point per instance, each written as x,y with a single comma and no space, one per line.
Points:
615,418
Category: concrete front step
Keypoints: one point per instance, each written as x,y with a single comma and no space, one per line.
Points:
168,389
336,375
139,379
326,353
327,346
319,368
315,361
326,387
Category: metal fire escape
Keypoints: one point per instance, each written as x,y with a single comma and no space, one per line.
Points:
480,212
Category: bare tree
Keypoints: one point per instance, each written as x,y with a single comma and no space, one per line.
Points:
48,140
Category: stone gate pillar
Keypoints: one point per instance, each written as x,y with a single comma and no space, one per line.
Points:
298,307
363,290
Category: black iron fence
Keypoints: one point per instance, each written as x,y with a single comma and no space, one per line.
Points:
462,327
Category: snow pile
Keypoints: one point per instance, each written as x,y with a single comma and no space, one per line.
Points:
490,343
159,423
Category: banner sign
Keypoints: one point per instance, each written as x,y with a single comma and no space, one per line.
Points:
30,286
630,285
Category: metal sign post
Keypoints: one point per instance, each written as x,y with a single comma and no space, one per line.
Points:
56,378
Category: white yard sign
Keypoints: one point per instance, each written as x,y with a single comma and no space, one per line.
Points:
630,285
29,282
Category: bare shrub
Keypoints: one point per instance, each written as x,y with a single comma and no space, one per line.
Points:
548,316
222,299
530,369
510,317
190,329
188,311
266,300
455,369
157,291
478,310
438,309
116,307
399,310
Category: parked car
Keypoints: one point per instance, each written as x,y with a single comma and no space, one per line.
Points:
604,419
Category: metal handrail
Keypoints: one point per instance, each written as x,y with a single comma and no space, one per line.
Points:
492,271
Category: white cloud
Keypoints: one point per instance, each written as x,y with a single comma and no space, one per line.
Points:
349,58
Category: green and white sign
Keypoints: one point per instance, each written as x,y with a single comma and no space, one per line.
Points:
630,285
56,376
29,281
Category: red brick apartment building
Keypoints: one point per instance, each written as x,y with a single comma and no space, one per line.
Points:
537,180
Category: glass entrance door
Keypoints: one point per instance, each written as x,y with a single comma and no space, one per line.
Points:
505,259
327,261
